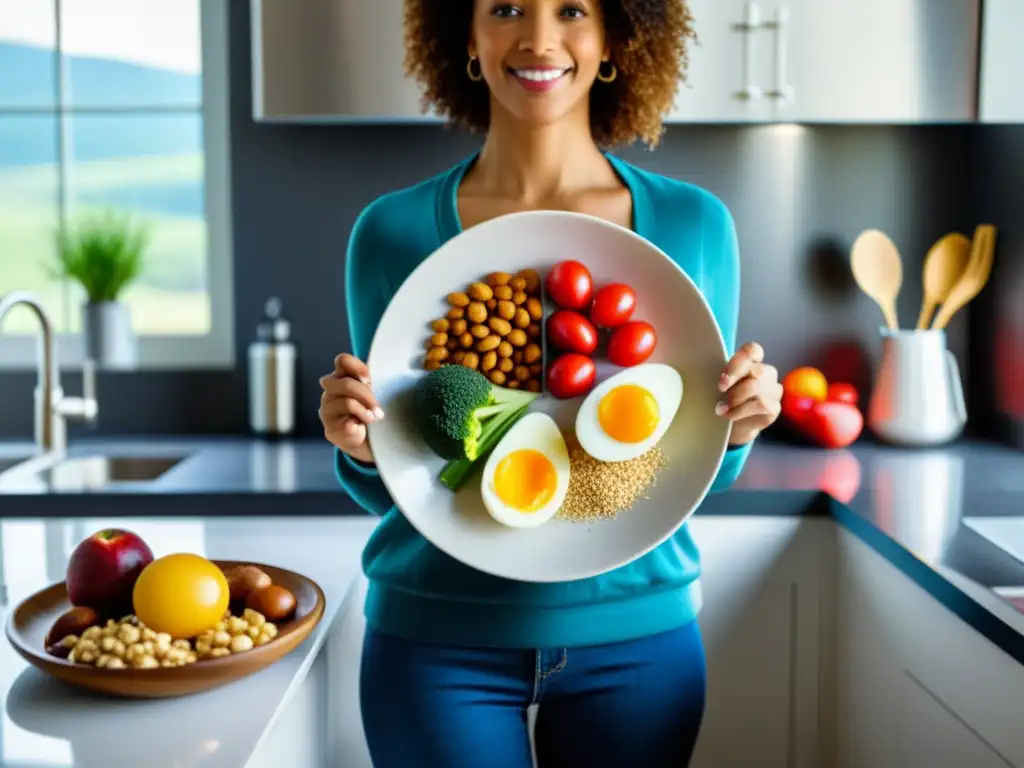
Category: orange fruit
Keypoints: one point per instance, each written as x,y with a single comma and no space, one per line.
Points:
181,594
806,382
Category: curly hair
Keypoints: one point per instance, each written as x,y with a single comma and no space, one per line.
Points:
648,40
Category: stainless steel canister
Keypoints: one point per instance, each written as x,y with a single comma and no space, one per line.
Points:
272,373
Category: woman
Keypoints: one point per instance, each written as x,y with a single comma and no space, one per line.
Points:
453,657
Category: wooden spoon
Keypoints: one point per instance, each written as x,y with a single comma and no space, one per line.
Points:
974,278
878,271
943,266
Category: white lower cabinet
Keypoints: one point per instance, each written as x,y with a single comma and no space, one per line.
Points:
761,624
917,685
823,653
299,737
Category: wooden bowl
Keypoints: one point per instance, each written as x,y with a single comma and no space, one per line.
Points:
28,624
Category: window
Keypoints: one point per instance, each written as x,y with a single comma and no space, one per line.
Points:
117,104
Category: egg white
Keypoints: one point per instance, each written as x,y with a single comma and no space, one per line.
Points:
663,382
539,432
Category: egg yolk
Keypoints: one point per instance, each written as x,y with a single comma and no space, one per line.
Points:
628,413
525,480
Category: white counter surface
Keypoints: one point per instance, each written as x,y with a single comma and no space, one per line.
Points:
47,724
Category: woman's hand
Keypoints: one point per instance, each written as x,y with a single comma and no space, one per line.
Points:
753,394
347,405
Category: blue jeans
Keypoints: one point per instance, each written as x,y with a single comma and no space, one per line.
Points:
635,704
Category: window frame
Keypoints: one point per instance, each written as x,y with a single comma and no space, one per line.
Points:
214,350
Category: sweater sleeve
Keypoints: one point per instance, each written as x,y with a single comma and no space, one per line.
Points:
366,297
722,260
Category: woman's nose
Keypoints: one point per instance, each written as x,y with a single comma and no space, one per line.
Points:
539,34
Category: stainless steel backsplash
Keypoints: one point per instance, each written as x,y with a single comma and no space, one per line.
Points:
800,195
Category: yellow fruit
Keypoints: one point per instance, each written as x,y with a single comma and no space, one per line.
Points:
181,594
806,382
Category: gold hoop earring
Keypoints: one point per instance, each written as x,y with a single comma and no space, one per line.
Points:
476,78
610,76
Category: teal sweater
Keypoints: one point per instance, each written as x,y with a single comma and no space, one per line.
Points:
418,592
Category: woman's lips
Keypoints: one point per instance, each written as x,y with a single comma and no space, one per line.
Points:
540,79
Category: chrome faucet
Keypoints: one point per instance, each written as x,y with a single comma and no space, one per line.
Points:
52,408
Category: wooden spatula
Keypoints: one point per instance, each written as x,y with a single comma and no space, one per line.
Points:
878,271
943,266
974,278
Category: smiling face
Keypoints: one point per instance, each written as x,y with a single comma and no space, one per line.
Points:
539,58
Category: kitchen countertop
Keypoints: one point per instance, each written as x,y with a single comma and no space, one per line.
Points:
950,518
45,722
217,475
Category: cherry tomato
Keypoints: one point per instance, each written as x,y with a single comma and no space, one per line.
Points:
842,392
632,343
613,305
806,381
569,285
571,375
570,331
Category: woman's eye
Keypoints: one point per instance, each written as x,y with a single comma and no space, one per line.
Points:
505,11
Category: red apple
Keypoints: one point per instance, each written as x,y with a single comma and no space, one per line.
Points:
103,568
796,407
833,425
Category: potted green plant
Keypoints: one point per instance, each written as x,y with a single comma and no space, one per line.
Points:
103,252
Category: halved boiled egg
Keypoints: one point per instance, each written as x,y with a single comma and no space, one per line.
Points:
628,413
526,476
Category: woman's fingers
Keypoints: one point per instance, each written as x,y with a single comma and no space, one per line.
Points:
334,409
359,411
344,430
349,365
745,389
761,409
347,405
354,431
746,362
346,388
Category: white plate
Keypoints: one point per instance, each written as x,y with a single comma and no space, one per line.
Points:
688,339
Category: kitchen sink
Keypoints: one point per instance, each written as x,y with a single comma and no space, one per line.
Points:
84,473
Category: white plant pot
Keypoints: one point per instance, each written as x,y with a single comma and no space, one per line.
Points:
109,338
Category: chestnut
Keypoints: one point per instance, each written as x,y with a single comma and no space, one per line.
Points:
243,580
274,602
72,622
59,650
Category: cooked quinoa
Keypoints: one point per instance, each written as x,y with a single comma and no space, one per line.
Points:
600,490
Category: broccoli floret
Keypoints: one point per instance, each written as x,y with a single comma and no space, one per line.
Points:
456,409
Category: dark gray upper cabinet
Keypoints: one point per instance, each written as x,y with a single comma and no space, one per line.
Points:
832,61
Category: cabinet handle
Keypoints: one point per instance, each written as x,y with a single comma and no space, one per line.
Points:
750,24
782,90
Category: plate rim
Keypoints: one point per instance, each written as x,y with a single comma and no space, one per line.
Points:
597,221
